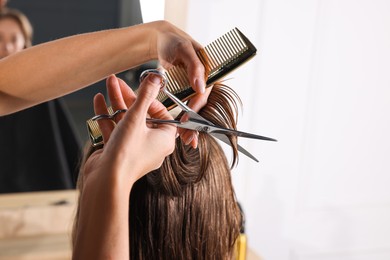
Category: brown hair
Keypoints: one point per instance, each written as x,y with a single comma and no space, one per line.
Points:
22,21
187,208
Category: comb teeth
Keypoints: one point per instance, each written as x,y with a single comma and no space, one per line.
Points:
219,57
225,49
94,132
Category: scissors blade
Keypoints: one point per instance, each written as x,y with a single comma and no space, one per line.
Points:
191,125
222,130
220,134
194,125
225,139
197,122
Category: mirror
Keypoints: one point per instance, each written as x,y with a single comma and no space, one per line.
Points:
44,144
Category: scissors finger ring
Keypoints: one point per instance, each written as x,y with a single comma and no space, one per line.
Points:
108,116
163,77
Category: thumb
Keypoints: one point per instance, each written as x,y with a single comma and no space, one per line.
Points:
147,93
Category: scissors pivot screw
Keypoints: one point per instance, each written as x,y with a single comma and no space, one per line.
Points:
206,129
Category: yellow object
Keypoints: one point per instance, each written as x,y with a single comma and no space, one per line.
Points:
241,247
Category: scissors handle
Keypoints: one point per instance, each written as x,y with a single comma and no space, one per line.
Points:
164,89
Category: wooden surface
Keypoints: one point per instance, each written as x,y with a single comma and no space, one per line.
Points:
37,226
34,199
50,247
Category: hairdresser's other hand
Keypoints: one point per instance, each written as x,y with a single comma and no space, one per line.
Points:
132,147
175,47
196,102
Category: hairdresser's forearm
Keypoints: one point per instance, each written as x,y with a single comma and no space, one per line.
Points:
103,230
56,68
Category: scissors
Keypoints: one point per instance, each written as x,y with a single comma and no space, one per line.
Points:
195,121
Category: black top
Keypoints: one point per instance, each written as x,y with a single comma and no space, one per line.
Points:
39,149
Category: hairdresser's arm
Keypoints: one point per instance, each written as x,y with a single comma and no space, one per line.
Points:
56,68
131,150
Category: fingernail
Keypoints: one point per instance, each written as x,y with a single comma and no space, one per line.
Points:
200,86
155,79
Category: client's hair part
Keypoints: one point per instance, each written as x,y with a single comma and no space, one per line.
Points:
187,208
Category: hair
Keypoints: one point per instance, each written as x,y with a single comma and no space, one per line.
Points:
187,208
22,21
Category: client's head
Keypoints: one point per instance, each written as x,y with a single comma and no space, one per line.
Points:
187,208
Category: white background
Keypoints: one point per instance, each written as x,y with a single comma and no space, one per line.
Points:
320,84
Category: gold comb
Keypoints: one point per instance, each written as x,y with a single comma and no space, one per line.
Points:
219,58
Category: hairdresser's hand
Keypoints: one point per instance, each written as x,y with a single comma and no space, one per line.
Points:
132,147
175,47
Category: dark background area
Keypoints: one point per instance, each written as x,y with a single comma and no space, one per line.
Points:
53,19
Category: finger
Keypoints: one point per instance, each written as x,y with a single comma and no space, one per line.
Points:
188,136
127,93
198,101
147,93
158,110
115,96
106,125
197,45
195,68
194,142
198,72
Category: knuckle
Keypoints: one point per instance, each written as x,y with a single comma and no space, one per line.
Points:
183,43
